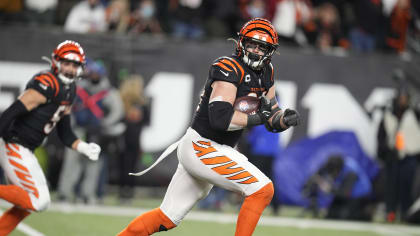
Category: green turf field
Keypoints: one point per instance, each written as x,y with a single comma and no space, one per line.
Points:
64,219
62,224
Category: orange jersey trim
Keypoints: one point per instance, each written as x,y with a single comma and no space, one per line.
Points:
222,66
240,68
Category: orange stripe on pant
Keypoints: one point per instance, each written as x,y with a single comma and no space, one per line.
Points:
11,152
227,169
201,151
216,160
229,166
23,177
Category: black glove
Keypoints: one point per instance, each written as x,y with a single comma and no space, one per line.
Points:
291,118
265,109
262,115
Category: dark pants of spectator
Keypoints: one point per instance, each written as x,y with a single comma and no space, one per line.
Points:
128,164
399,179
110,148
130,156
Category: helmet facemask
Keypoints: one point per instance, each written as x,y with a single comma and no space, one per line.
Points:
252,59
67,78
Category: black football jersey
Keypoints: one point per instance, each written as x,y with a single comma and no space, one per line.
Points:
233,70
30,130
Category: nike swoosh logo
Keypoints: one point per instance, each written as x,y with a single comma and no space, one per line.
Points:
43,86
225,73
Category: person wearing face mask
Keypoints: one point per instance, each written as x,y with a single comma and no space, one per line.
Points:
144,18
97,112
45,104
87,16
253,8
398,147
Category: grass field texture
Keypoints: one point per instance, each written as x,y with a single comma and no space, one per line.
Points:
62,224
79,220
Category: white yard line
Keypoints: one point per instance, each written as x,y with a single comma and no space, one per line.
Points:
26,229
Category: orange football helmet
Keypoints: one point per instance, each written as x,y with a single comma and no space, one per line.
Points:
69,51
257,32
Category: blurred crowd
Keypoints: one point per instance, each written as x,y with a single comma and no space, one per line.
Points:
330,25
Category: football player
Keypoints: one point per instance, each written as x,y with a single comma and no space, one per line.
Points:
45,104
206,152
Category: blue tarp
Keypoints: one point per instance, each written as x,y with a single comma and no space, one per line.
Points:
298,162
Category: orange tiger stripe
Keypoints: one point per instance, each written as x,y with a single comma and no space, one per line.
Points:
240,68
33,188
204,143
11,152
15,146
54,79
201,151
256,26
249,181
44,81
226,169
50,81
19,166
216,160
24,177
230,64
240,175
222,65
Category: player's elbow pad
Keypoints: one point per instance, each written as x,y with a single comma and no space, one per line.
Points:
220,115
64,131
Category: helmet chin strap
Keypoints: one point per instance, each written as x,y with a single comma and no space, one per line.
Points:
66,80
254,64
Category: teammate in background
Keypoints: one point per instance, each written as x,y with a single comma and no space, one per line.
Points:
45,103
206,154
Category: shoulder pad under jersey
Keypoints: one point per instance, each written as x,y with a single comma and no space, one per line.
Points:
227,69
45,83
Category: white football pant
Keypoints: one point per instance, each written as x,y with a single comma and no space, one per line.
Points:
21,168
202,164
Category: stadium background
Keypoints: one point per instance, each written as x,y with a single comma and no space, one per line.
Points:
306,79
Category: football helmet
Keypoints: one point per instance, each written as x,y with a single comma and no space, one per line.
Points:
69,51
260,33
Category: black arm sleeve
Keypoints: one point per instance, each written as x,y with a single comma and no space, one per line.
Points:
65,132
220,115
14,110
